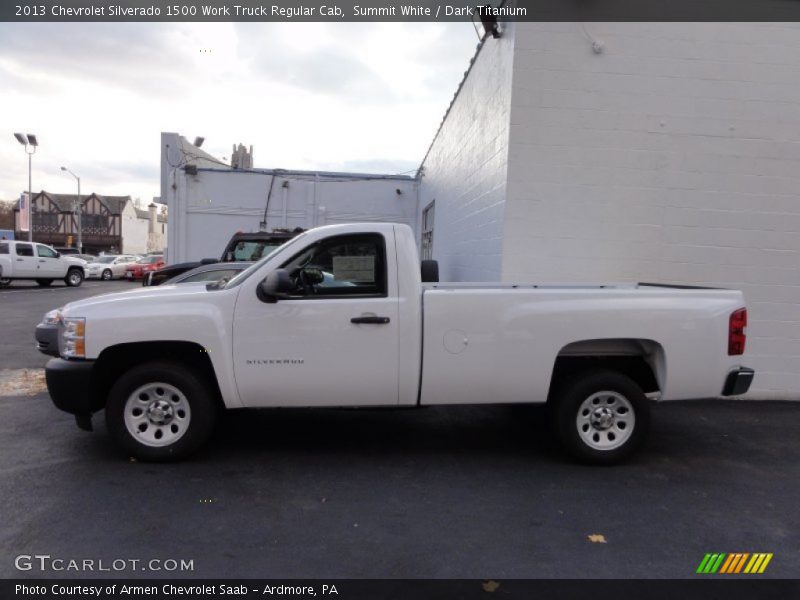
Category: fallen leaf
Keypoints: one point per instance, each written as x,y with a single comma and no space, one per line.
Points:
490,586
597,538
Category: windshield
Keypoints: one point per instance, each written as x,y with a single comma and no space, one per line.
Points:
149,260
254,267
104,260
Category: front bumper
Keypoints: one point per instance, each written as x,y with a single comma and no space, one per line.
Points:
738,382
69,383
47,339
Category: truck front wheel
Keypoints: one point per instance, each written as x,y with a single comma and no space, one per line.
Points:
160,411
74,278
600,417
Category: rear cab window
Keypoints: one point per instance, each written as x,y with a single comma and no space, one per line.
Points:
24,250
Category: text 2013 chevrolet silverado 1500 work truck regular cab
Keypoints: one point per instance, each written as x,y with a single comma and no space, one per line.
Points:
339,316
27,260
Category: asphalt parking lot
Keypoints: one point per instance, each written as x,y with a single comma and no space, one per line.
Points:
472,492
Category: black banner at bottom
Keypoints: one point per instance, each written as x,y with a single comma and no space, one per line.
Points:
390,589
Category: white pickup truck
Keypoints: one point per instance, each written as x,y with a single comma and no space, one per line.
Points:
28,260
339,316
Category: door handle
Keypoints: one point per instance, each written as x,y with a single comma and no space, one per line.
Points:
41,260
20,259
370,320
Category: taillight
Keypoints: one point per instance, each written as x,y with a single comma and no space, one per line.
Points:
737,332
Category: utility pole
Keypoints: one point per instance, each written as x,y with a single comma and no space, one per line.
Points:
30,143
79,208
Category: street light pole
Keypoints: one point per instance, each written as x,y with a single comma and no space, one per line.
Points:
80,210
30,143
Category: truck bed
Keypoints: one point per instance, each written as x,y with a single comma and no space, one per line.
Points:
478,334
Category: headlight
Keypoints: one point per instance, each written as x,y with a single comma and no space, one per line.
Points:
52,318
73,337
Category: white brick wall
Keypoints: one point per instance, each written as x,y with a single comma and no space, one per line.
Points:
672,156
465,169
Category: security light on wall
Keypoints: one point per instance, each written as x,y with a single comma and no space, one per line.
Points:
198,141
21,138
32,140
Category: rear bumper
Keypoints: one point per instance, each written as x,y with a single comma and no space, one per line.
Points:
738,382
69,383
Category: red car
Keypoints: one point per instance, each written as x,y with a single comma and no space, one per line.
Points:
142,267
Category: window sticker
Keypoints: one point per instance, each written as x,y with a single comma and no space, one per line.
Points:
359,269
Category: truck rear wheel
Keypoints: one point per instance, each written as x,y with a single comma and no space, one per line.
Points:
600,417
160,411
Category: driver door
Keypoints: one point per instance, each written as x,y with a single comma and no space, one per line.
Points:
49,263
334,340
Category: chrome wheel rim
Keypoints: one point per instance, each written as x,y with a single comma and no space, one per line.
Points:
605,420
157,414
106,275
74,278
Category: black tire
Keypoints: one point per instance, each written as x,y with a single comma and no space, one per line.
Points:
607,433
44,282
195,390
4,282
107,275
74,278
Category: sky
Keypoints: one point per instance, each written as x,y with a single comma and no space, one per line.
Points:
349,96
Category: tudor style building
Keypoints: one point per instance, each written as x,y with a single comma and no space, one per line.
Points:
104,223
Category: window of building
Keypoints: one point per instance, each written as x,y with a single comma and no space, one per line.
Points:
48,220
428,215
91,221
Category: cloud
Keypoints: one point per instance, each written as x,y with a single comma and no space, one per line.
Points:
139,57
349,96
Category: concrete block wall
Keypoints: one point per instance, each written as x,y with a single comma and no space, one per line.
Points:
673,156
465,169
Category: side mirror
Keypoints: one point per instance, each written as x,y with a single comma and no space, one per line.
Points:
58,254
276,286
313,276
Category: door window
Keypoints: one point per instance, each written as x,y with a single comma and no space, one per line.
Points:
24,250
340,266
45,252
3,248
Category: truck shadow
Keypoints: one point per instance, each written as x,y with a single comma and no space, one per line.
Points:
430,430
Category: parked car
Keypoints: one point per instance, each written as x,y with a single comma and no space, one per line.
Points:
27,260
142,267
89,258
161,362
212,273
110,266
242,247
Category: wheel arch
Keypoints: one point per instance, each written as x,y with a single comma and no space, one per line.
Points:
643,360
115,360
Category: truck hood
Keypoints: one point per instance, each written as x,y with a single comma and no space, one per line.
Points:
140,297
74,261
